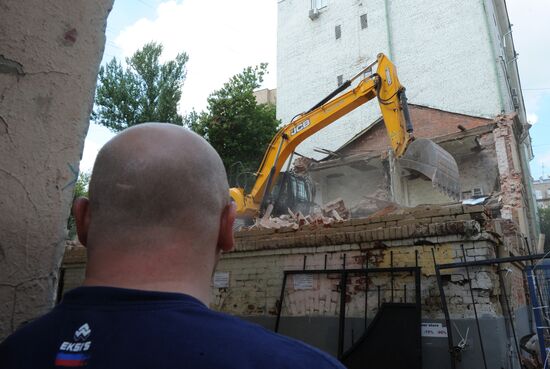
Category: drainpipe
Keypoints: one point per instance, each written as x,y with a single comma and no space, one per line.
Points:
388,30
493,55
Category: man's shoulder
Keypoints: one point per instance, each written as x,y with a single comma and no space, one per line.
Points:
262,341
34,333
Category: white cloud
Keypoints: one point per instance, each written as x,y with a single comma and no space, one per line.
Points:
221,38
88,156
96,138
532,118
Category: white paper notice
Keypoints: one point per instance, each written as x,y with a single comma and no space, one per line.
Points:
303,281
434,330
221,279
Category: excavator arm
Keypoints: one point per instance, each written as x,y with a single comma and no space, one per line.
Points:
383,85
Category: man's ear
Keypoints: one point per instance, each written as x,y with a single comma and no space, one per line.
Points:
81,214
226,241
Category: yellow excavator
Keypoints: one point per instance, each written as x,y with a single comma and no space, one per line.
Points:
420,155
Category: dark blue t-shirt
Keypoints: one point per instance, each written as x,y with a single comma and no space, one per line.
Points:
104,327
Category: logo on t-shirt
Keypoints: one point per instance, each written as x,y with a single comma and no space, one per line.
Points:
82,333
73,354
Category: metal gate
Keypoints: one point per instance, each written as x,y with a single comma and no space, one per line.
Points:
397,305
538,280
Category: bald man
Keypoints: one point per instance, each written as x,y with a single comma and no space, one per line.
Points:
157,219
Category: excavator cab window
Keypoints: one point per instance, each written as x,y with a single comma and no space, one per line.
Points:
299,184
292,192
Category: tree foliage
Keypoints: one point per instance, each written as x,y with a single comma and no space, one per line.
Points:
234,123
544,217
80,190
146,90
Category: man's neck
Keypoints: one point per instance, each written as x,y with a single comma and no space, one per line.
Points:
198,292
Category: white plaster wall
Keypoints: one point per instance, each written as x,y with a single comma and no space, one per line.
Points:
49,57
442,50
309,59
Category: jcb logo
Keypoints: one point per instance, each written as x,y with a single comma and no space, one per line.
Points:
299,127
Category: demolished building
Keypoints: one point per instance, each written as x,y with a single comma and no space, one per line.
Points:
488,153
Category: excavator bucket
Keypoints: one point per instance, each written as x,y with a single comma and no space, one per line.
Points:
431,160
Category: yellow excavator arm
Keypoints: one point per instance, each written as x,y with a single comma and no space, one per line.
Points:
383,85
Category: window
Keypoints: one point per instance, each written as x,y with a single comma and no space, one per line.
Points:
538,194
364,22
548,192
338,32
477,191
466,195
301,193
472,194
318,4
340,80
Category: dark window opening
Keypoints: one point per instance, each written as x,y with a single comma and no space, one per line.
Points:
338,31
340,80
364,22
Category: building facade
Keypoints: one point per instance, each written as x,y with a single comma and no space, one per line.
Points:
542,192
266,96
453,56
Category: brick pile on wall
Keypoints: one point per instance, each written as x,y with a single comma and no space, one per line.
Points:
404,237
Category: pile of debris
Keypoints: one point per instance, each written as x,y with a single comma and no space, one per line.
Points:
332,212
336,212
369,205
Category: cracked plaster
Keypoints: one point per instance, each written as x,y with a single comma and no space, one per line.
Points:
48,70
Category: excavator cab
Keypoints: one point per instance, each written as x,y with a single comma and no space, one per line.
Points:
292,192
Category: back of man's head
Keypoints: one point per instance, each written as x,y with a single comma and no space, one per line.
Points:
155,186
156,178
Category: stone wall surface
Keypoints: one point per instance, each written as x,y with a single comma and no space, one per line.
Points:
49,57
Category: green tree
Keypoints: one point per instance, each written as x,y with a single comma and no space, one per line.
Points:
235,124
146,90
544,217
80,190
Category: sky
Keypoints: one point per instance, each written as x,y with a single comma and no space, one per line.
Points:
223,37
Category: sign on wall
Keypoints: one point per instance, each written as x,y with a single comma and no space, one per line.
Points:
221,280
433,330
303,281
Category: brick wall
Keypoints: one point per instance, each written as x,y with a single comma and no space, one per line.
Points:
427,123
404,239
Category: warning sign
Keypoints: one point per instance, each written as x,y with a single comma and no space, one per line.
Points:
303,281
434,330
221,279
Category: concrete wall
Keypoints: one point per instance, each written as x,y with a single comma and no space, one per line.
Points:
49,57
266,96
464,78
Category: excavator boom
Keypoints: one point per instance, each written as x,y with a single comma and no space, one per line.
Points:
420,155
